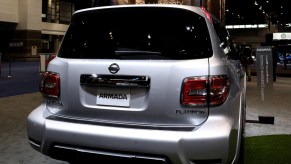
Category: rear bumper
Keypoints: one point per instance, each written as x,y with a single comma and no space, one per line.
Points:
215,141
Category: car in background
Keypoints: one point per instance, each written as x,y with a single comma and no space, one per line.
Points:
282,58
142,84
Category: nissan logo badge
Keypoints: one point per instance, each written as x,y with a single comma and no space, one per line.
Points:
113,68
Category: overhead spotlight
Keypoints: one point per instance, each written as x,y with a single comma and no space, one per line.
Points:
261,8
256,3
267,1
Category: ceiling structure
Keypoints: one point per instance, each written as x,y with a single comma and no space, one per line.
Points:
238,12
241,12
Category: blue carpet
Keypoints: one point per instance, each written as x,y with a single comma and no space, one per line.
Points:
24,78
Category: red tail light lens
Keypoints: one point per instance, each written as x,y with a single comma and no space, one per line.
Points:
50,84
219,89
195,90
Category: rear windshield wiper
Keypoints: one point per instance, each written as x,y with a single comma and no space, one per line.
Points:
135,52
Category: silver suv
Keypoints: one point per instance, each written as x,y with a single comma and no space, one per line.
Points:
142,84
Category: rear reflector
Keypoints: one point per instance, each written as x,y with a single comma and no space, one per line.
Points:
195,90
50,84
207,14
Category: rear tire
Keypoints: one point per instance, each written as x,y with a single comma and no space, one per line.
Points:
241,152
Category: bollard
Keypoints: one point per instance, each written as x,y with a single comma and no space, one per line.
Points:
9,75
0,64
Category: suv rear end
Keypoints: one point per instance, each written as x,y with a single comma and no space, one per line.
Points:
144,83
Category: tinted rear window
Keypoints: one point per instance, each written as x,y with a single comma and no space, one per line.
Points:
137,33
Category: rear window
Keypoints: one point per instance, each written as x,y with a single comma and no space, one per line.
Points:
137,33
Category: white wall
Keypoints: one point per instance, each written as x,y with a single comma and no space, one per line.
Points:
29,14
9,11
53,28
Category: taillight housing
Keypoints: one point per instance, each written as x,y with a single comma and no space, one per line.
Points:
197,91
50,84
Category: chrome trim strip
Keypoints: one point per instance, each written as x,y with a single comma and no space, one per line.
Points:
115,80
34,144
123,125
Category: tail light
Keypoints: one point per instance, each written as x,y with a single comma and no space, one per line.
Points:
50,84
197,91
